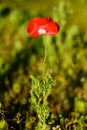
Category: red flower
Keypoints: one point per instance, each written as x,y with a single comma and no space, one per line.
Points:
38,26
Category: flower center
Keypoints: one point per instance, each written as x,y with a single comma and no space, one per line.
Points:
42,31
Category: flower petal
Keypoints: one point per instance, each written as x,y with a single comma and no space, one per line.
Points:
38,26
52,28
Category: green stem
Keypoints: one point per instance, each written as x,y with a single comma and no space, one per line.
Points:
45,45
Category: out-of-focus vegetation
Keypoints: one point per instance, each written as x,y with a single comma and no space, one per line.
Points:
22,56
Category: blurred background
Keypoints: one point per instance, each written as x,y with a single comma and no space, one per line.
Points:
22,56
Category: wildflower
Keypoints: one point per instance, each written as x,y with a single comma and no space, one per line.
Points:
38,26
